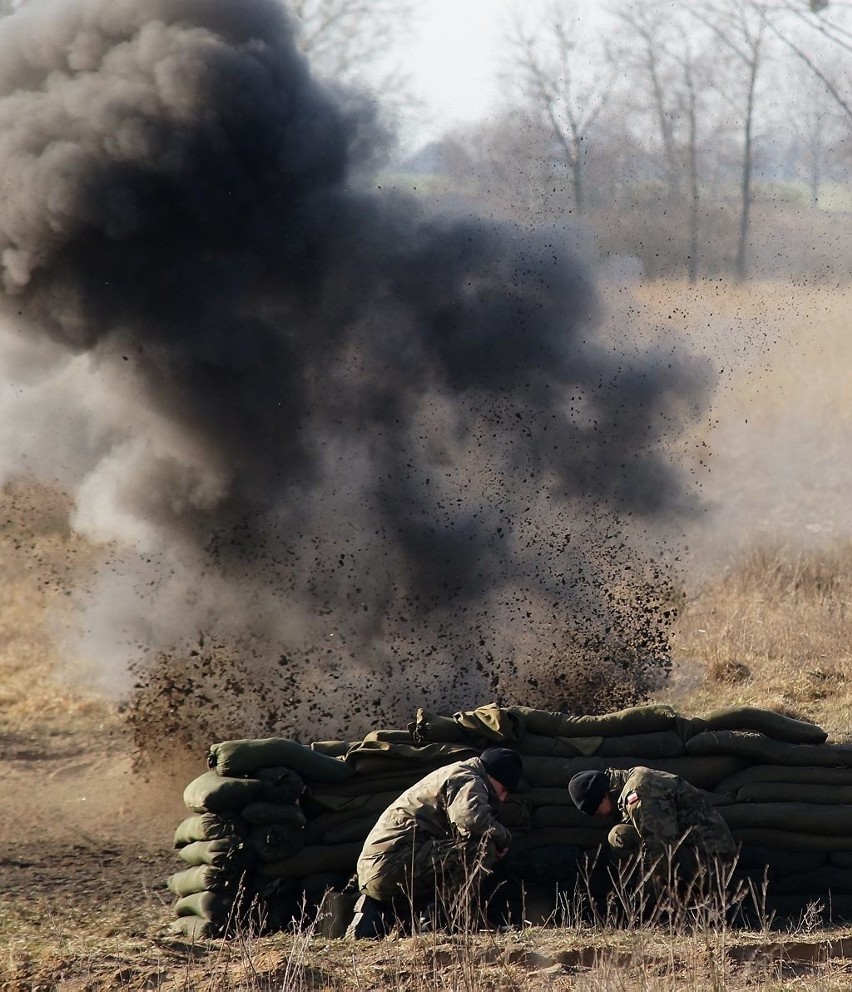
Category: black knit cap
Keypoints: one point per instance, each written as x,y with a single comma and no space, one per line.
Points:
588,789
504,765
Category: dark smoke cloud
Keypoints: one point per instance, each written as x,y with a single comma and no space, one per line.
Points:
363,447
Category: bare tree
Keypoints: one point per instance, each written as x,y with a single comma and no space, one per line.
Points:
562,84
741,26
342,37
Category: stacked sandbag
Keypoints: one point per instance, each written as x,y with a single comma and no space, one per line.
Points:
288,821
245,816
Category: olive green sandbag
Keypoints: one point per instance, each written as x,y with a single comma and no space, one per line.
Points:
843,859
786,773
261,814
491,724
792,792
276,842
390,736
775,725
780,863
758,748
514,814
558,747
830,878
591,836
331,749
545,796
208,826
633,720
566,816
383,757
245,757
702,772
194,928
318,803
314,859
216,852
397,781
204,878
662,744
214,906
212,793
798,817
355,829
428,728
791,840
280,785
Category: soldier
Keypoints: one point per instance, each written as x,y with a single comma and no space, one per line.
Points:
439,834
662,817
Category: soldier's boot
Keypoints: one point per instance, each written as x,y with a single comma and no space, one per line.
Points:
368,923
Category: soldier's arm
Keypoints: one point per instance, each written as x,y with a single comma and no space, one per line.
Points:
654,815
471,816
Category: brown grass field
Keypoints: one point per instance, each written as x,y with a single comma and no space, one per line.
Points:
85,842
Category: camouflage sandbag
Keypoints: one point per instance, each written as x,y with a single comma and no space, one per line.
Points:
311,860
331,749
775,725
217,907
212,793
646,747
799,817
791,792
780,862
703,772
245,757
380,757
261,814
208,826
633,720
786,773
428,728
791,840
276,842
758,748
194,928
216,852
280,785
205,878
830,878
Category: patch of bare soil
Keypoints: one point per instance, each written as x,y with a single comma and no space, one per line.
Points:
79,825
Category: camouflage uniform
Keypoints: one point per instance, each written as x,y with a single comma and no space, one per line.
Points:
436,833
662,813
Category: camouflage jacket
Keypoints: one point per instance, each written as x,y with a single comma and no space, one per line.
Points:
456,802
666,810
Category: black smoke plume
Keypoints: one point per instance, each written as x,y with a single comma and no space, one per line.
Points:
353,456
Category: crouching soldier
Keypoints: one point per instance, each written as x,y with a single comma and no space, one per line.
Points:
670,824
441,835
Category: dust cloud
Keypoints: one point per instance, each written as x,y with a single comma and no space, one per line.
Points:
346,455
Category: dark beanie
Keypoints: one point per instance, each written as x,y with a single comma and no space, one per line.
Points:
588,789
504,765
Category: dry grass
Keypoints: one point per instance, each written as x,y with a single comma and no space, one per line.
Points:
774,631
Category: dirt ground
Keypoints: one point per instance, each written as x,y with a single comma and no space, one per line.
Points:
79,827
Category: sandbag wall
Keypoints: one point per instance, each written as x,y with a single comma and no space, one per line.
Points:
275,824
